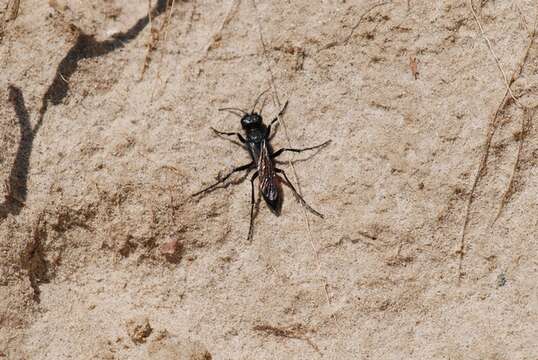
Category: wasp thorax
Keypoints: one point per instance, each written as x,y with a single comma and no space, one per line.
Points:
251,121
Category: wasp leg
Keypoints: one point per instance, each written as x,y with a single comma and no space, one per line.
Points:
299,197
211,187
239,136
251,226
276,119
277,153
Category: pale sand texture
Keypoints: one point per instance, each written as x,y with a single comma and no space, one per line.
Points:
101,181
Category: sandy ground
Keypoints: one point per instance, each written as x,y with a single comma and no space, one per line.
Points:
429,242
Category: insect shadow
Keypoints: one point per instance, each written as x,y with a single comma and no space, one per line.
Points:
256,141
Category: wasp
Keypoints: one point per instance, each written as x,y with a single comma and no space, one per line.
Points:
256,141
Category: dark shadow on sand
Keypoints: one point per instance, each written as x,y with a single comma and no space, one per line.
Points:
85,47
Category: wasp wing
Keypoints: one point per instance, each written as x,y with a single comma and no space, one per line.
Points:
267,176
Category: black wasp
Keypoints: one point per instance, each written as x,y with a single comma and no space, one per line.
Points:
257,143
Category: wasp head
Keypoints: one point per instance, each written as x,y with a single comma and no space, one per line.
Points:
251,121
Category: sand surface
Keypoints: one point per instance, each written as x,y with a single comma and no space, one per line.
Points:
429,245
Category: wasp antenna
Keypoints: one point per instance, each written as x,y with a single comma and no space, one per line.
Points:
234,108
258,99
263,104
234,111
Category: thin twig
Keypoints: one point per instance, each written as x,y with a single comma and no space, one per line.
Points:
164,28
229,16
191,17
356,26
492,128
168,18
12,10
149,15
525,120
497,61
292,332
155,38
152,43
